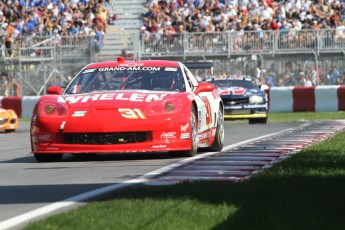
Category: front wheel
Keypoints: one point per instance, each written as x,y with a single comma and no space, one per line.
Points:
48,157
218,143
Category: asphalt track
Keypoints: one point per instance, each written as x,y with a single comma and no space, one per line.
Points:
27,185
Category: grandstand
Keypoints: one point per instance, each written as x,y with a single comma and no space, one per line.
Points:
236,45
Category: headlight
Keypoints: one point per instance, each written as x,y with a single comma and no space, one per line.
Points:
256,99
171,105
52,109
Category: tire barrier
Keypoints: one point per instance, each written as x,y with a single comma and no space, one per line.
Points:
307,99
281,99
14,103
23,106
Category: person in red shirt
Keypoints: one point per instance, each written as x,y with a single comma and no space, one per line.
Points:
274,25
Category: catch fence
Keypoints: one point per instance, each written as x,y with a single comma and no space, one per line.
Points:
41,61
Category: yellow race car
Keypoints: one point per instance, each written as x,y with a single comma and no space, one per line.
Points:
8,120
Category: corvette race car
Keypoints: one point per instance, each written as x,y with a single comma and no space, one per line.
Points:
128,106
242,98
8,120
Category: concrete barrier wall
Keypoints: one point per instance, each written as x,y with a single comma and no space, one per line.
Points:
28,105
307,99
281,99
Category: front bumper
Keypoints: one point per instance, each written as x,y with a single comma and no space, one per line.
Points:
245,111
160,135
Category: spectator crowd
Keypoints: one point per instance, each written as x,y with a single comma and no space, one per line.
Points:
25,19
177,16
300,74
172,17
23,22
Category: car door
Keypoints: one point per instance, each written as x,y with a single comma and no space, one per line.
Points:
204,102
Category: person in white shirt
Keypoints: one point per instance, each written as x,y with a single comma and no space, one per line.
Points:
254,11
266,12
305,5
231,12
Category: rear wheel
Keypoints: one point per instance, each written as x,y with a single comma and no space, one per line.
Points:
48,157
193,137
219,137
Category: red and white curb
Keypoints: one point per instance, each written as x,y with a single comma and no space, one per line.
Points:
240,163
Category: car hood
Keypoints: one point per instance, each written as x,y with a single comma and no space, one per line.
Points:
113,99
236,91
5,113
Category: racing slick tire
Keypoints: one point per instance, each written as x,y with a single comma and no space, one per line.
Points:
258,121
48,157
218,143
193,136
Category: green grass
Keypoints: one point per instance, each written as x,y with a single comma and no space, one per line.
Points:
305,116
305,191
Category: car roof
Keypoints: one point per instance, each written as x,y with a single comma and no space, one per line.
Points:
155,63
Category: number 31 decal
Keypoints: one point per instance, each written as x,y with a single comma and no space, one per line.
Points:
132,113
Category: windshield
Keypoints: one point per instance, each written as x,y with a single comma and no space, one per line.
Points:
234,83
146,78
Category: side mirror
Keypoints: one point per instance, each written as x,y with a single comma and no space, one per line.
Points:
54,90
204,87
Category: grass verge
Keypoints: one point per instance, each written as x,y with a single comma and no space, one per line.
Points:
305,116
305,191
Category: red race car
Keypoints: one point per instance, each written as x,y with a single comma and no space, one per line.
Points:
128,106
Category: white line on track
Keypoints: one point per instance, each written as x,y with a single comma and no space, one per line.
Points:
39,212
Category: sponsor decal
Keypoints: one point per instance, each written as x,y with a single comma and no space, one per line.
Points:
138,97
121,68
131,64
185,136
184,127
167,135
254,106
89,71
62,126
204,135
223,92
45,137
208,110
131,113
232,107
214,130
215,94
158,146
52,148
170,69
79,114
233,90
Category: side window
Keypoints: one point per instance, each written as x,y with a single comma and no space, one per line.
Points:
190,83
